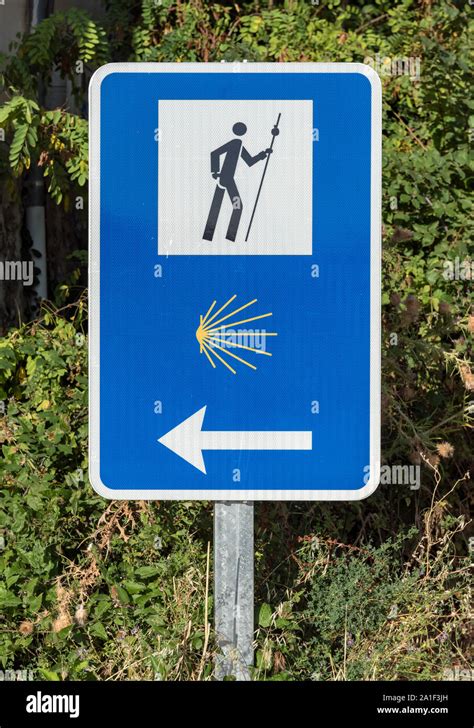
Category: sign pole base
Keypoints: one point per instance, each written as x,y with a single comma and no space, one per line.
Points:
234,588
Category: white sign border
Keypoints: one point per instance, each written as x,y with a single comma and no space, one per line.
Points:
94,283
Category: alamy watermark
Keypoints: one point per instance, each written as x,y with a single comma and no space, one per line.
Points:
397,475
16,675
253,339
17,270
42,703
458,673
406,66
458,270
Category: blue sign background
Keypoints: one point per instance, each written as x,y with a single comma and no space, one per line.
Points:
148,349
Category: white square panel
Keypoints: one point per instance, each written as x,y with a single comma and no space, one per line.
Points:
189,131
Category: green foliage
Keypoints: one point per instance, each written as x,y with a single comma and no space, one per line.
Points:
362,614
87,589
56,140
61,137
60,41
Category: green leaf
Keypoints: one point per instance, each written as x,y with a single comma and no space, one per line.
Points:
147,571
122,595
98,630
49,675
18,144
265,615
8,599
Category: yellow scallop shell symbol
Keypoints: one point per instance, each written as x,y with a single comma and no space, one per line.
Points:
217,334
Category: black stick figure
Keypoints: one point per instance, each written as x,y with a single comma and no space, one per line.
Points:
233,150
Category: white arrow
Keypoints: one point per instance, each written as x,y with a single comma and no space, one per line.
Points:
188,440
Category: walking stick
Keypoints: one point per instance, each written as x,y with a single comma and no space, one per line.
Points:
263,175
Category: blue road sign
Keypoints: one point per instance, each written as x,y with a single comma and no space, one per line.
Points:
235,223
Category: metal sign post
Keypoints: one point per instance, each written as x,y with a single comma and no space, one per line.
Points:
233,588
